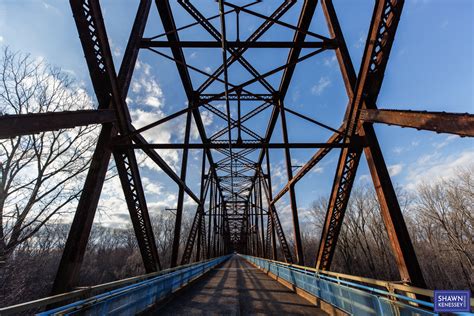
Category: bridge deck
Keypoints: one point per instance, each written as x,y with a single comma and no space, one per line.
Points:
237,288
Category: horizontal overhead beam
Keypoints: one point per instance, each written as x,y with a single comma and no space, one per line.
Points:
238,44
235,145
461,124
32,123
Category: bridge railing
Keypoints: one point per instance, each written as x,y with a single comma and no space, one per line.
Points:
123,297
353,294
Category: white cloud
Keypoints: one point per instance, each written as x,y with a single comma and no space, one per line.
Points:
208,70
295,96
147,88
158,134
435,167
136,87
153,101
329,62
360,41
322,84
152,187
393,170
148,100
1,39
364,178
420,1
117,51
48,6
397,150
446,141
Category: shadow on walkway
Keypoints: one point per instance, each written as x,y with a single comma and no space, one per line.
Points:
237,288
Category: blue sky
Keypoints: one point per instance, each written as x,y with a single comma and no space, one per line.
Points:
431,68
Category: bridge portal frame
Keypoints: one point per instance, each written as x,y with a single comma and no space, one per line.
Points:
225,231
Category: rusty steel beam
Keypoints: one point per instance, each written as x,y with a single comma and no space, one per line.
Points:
233,44
236,145
306,16
125,160
365,89
76,243
91,29
32,123
381,35
291,189
179,208
461,124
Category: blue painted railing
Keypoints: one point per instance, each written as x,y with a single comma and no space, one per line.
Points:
137,297
353,298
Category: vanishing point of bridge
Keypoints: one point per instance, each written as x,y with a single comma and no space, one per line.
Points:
237,258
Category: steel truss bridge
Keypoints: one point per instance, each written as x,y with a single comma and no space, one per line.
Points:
236,205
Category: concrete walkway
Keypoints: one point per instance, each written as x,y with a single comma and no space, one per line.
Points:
237,288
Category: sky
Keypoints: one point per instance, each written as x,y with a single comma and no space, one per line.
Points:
431,67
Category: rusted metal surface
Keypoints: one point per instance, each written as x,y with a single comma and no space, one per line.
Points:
366,89
24,124
461,124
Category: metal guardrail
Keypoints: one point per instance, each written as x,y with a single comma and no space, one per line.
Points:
129,296
365,296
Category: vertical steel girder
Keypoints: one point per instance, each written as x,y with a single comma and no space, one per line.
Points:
289,171
76,243
211,205
271,236
127,169
179,208
276,224
364,94
307,12
195,230
90,25
340,193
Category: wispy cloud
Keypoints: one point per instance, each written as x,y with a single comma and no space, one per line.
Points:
393,170
446,141
436,166
360,40
329,62
322,84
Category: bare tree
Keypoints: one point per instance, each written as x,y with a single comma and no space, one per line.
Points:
41,175
446,209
